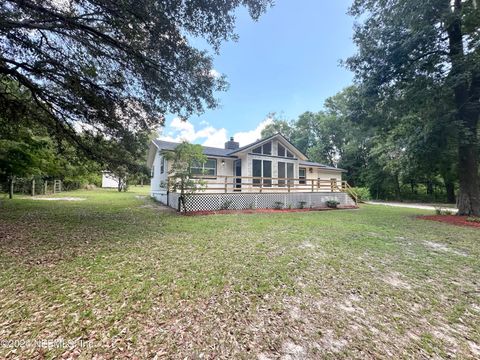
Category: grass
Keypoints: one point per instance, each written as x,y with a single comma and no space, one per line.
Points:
115,275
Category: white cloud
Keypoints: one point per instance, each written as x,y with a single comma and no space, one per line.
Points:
247,137
208,135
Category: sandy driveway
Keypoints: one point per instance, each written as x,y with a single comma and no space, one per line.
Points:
412,205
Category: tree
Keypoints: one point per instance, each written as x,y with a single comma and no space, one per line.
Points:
182,179
406,46
112,69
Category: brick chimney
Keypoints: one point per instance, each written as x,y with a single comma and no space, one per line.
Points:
232,145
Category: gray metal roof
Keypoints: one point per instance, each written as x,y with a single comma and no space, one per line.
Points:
323,166
207,150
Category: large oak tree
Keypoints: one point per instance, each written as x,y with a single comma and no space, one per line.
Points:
405,44
107,71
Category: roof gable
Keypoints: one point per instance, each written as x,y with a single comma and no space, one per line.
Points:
278,137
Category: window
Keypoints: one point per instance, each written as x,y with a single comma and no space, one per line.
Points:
302,175
265,149
283,152
262,168
256,171
152,172
257,150
162,165
285,171
290,173
208,168
281,174
267,173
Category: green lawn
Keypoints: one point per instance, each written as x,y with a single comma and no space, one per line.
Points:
116,276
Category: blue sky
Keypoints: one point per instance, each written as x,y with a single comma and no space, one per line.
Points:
287,62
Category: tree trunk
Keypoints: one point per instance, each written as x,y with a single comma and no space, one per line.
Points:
11,180
450,190
468,113
398,193
429,187
469,194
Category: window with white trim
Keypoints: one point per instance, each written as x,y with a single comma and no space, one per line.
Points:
283,152
208,168
262,170
162,165
302,175
265,149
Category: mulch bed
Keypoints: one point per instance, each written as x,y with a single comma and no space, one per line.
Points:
451,219
263,211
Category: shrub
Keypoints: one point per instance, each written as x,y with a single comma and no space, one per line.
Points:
440,211
251,206
363,193
226,205
278,205
473,219
332,204
301,204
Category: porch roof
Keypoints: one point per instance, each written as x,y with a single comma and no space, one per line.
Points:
326,167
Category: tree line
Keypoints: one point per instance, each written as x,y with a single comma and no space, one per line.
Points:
411,159
84,83
100,75
412,115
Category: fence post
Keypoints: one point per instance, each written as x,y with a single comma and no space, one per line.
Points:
33,187
45,188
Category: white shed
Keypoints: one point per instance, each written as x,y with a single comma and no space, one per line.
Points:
109,180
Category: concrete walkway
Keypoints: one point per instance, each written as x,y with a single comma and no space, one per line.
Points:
412,205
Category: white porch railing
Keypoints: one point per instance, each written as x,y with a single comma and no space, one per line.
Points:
251,184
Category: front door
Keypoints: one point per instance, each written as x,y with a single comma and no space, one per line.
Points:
238,172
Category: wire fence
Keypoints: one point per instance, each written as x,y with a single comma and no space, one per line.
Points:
38,186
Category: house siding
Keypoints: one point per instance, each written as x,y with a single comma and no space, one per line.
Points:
158,182
217,184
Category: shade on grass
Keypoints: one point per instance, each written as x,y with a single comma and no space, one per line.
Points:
125,277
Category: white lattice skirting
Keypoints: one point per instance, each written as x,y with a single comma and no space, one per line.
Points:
240,201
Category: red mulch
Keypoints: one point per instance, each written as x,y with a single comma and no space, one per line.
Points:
262,211
451,219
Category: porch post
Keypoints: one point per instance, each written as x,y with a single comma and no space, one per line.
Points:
313,182
225,184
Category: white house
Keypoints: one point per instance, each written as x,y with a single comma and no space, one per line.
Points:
268,171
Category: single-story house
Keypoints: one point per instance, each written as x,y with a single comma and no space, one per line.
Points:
260,175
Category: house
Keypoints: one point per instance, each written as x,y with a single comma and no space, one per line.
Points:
263,174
